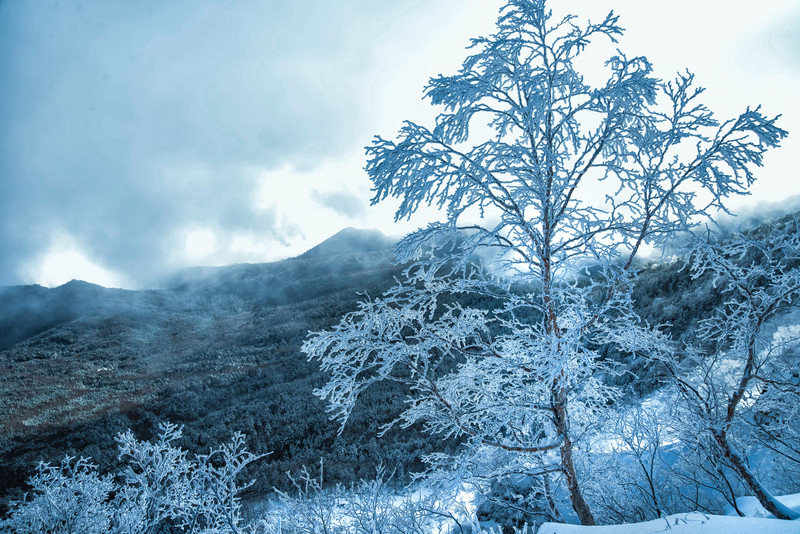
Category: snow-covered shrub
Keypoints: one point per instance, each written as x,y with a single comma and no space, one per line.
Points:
366,508
70,498
309,509
160,488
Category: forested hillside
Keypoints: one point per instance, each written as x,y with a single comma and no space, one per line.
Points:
217,350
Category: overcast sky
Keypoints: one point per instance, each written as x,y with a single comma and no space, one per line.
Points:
139,137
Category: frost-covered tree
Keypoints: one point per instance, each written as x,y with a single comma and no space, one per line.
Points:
556,185
739,377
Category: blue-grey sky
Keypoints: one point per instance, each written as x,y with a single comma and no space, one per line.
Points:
139,137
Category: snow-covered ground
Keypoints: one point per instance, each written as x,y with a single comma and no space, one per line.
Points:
691,523
757,521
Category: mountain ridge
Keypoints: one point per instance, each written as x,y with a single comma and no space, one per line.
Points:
29,310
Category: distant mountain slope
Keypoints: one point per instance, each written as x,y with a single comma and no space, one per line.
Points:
334,264
29,310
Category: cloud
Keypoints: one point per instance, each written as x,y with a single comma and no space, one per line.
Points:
785,39
342,202
64,261
126,123
128,127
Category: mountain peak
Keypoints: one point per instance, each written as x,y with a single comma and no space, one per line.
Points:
351,241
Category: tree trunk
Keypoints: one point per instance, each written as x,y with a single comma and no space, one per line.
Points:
579,504
767,500
558,403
